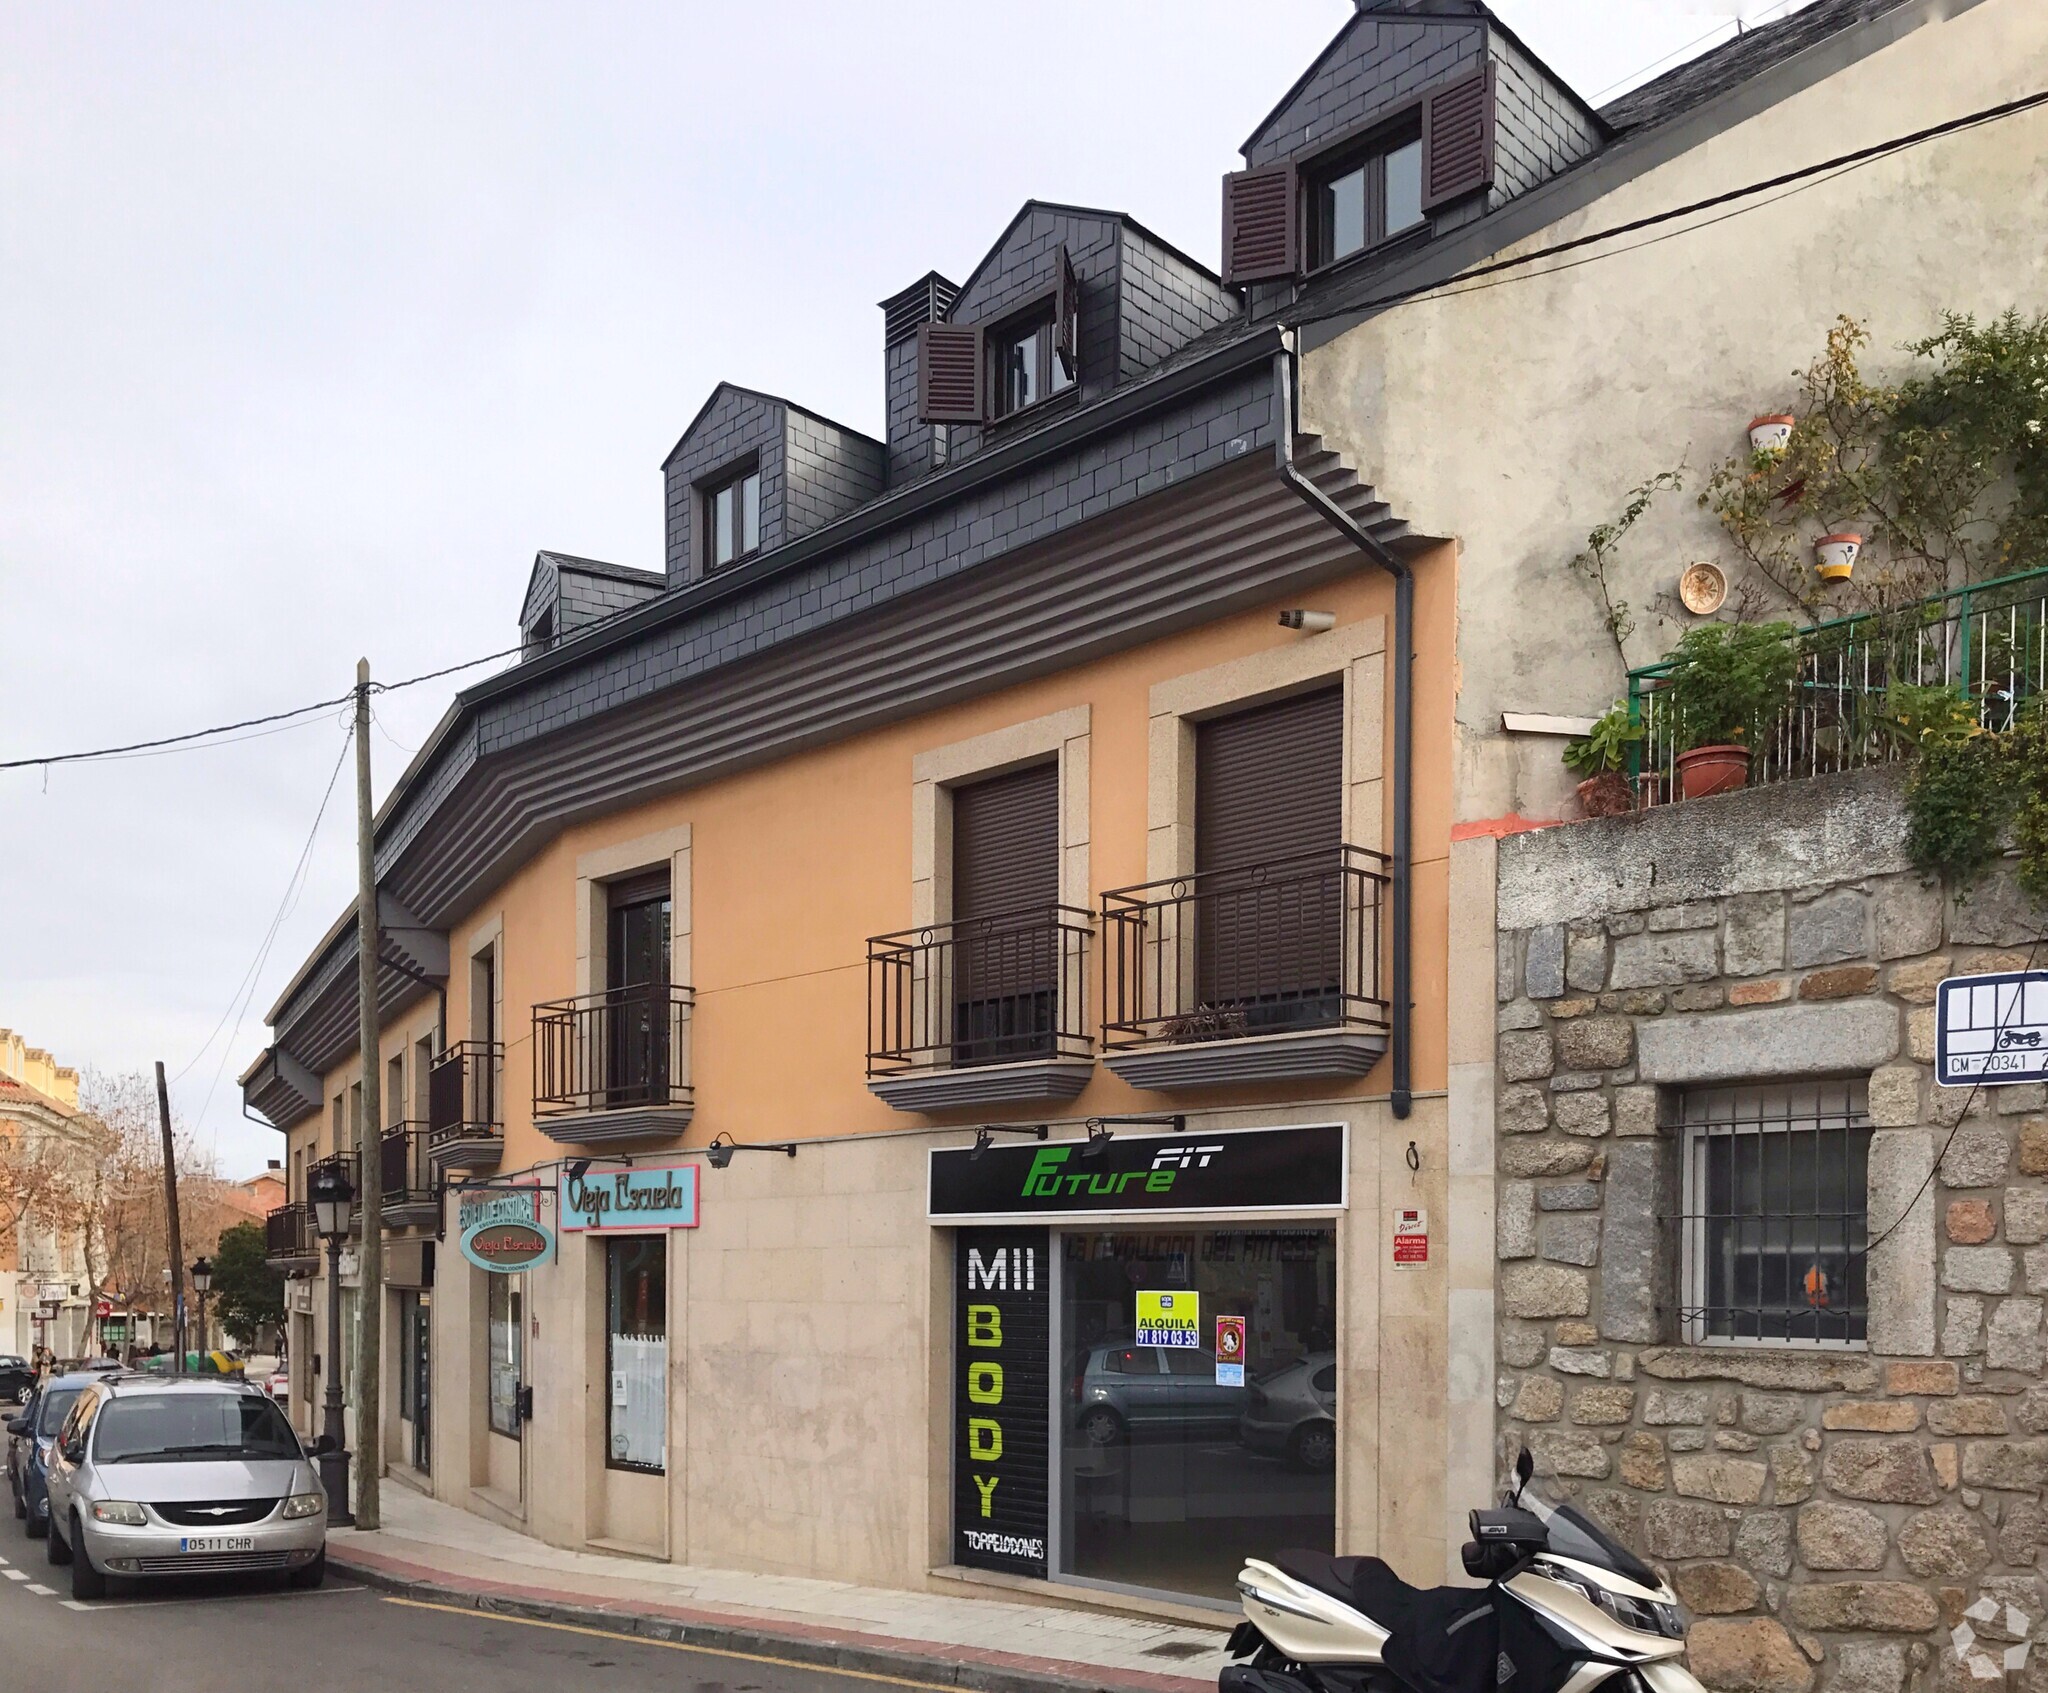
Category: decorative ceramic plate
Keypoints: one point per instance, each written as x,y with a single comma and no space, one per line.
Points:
1702,587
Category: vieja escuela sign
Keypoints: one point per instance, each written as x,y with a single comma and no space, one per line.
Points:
1293,1169
499,1229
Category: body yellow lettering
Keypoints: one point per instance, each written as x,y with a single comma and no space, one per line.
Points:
985,1485
984,1439
985,1382
984,1325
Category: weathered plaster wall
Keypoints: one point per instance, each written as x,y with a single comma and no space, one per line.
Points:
1826,1513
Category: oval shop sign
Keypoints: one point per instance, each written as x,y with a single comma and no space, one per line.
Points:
502,1232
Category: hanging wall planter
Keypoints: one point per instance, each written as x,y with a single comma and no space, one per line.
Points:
1836,556
1771,433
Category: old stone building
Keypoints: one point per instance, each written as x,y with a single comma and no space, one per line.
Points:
1817,1402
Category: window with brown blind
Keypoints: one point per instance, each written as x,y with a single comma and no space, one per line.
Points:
1006,880
1269,916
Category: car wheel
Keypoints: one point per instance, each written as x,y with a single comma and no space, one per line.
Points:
86,1582
1314,1447
59,1553
35,1527
313,1574
1102,1427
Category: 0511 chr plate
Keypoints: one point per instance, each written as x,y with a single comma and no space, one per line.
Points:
218,1543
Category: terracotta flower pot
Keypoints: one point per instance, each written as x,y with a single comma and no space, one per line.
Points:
1836,555
1771,433
1606,795
1712,770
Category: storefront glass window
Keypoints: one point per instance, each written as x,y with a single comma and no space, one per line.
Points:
1171,1473
504,1305
636,1325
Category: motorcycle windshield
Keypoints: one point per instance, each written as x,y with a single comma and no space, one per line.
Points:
1573,1534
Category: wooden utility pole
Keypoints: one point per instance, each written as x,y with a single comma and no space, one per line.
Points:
172,1232
370,1274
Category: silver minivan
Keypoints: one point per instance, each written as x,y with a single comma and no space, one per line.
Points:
154,1476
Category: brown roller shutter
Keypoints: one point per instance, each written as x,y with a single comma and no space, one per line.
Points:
1268,825
1260,235
949,372
1457,138
1066,313
1006,880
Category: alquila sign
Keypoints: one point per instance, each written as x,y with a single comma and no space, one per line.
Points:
499,1229
1294,1169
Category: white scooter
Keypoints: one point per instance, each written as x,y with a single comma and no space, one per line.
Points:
1566,1610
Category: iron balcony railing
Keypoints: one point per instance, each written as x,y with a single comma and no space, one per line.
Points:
288,1232
1988,642
622,1049
980,990
1262,949
405,1170
462,1093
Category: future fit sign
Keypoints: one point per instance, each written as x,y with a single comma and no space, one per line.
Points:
1242,1170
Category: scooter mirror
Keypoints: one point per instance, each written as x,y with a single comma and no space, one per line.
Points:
1525,1467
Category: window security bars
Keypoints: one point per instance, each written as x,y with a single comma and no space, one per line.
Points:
1776,1218
984,990
1988,641
1257,950
617,1050
462,1093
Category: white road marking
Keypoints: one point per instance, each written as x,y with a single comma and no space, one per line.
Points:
42,1592
76,1605
4,1563
15,1575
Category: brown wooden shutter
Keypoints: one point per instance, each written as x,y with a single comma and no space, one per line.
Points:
1269,782
1261,231
949,373
1269,923
1006,842
1066,314
1457,138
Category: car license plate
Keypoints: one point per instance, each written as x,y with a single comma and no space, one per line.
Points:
217,1543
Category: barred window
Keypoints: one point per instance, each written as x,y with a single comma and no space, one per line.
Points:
1776,1213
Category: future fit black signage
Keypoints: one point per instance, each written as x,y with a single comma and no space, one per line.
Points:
1002,1295
1241,1170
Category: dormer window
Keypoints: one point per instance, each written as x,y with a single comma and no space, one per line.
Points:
1024,365
732,514
1363,196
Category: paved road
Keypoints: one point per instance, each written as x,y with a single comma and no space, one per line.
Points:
202,1636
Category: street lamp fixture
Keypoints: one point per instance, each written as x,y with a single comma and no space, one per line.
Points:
332,1196
723,1146
202,1280
985,1136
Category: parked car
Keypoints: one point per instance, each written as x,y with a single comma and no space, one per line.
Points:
1120,1391
278,1384
17,1379
1292,1413
29,1437
152,1477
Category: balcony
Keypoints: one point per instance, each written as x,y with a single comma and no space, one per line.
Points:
289,1242
464,1128
1988,642
1264,973
411,1190
985,1011
612,1068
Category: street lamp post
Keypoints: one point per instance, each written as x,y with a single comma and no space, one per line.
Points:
202,1279
333,1196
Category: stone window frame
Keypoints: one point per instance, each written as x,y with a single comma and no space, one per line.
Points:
596,871
1689,1269
485,944
1352,653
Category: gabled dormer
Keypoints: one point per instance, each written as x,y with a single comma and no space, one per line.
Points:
565,593
753,471
1067,304
1419,116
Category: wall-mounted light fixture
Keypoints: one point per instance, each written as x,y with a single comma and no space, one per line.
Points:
1309,622
985,1136
1102,1130
723,1146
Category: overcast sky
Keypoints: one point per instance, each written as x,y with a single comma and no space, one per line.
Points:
317,321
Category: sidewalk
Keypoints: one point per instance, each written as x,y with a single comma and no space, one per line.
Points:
431,1551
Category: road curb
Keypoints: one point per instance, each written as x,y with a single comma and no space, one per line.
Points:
859,1655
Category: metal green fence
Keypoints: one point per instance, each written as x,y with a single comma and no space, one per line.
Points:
1988,641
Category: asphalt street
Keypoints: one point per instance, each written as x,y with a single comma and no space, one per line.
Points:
197,1637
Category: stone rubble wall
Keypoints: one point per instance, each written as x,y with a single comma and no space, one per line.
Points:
1826,1514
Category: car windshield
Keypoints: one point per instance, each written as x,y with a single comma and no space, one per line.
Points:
170,1428
55,1403
1573,1534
